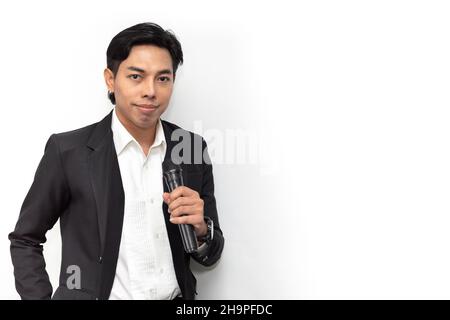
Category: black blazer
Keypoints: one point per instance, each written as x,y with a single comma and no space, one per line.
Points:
78,181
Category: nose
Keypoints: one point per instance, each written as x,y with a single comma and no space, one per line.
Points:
149,89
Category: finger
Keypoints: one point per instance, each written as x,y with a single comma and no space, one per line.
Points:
180,220
182,201
186,219
193,210
182,191
166,197
183,210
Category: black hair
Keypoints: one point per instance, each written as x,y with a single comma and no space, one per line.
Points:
144,33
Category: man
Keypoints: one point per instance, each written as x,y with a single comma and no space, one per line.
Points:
119,223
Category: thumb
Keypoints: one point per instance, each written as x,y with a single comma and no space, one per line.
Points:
166,197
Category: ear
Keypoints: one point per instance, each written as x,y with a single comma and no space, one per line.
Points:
109,79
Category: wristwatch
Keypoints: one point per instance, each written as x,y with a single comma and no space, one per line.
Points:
210,233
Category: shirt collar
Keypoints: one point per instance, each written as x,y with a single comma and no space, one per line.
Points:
122,137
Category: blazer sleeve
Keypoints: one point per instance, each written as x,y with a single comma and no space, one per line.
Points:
44,203
212,253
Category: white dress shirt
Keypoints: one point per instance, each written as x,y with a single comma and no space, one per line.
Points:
145,268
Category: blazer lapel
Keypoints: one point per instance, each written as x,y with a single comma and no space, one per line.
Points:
110,199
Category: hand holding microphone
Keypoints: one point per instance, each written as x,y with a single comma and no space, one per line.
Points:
185,208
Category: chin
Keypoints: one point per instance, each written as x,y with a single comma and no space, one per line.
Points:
145,123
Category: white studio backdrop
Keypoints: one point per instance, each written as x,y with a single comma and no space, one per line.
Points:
327,122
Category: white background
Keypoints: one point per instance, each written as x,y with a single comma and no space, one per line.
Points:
349,101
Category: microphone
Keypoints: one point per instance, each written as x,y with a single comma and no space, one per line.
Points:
173,176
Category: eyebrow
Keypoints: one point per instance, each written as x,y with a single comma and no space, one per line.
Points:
164,71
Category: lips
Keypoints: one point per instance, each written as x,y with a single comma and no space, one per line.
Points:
147,109
147,106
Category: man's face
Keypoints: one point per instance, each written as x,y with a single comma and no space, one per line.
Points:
142,86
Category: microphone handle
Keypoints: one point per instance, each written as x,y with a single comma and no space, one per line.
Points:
186,230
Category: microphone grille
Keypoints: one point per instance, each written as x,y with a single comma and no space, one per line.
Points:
169,166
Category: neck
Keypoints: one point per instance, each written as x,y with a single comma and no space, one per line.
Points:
144,136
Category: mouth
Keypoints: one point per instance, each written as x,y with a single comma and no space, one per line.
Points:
147,108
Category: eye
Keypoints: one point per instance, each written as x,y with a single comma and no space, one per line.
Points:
134,76
164,79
